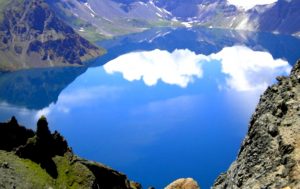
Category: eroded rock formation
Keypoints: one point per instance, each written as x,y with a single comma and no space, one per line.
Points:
270,154
43,159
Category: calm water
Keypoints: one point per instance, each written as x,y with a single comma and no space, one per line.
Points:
160,105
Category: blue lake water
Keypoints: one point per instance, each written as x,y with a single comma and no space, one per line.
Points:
160,105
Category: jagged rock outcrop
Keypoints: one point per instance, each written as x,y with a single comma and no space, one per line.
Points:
270,154
43,147
183,183
12,135
43,159
32,36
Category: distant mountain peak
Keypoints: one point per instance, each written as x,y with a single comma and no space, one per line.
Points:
119,17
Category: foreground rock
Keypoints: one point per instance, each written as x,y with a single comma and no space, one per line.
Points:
270,154
183,183
43,160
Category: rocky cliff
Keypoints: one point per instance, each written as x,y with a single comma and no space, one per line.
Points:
270,154
283,17
43,159
97,19
32,36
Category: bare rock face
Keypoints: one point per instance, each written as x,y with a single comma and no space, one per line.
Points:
183,183
32,36
270,154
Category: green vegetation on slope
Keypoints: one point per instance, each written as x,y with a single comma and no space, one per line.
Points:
43,160
25,173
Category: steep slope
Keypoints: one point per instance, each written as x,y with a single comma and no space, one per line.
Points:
270,154
283,17
107,18
43,159
115,17
32,36
280,17
198,10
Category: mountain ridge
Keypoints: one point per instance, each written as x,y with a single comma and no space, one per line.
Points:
31,36
114,17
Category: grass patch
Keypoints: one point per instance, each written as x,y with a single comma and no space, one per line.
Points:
24,173
91,34
72,175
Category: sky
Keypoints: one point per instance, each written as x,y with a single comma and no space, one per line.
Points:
248,4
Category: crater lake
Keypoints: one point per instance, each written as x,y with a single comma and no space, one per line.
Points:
163,104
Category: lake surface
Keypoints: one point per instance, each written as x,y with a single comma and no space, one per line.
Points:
160,105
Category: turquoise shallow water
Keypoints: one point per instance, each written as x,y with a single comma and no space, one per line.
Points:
160,105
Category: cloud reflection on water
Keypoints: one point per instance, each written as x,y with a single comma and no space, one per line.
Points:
179,67
82,97
249,70
245,69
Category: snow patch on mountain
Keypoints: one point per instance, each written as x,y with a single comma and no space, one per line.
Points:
249,4
90,8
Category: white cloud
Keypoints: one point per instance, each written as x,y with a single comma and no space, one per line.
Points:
179,67
248,4
244,68
248,69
